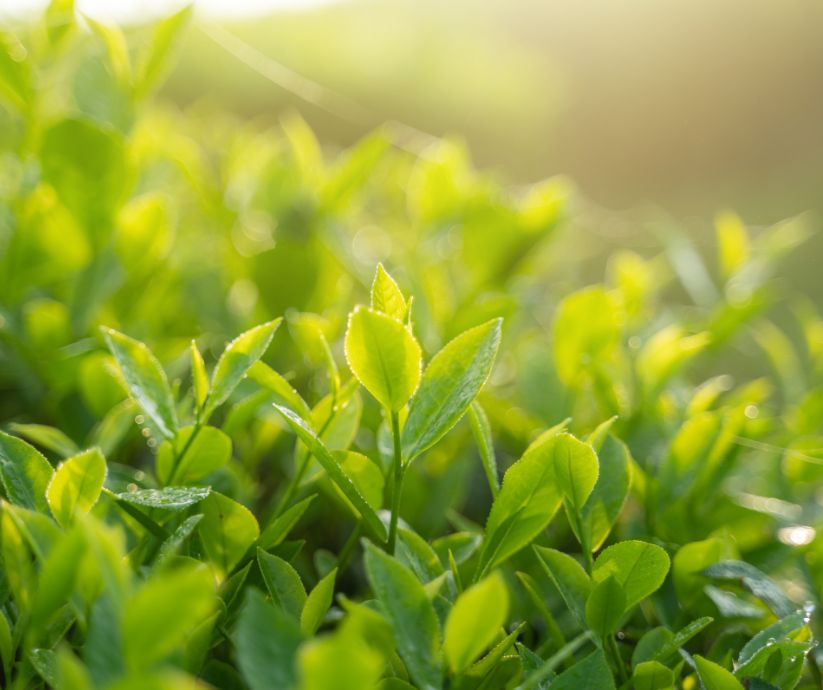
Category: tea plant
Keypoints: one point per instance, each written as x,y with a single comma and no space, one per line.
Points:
479,472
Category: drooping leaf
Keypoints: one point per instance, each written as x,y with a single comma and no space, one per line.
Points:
384,356
76,485
474,621
411,614
145,380
174,498
450,383
336,474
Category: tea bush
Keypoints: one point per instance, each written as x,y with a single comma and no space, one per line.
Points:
472,470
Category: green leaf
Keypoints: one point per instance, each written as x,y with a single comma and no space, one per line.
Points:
365,475
283,582
48,437
336,474
25,474
118,51
450,383
57,578
175,498
568,576
154,61
605,607
206,450
199,377
576,469
386,296
610,492
652,675
639,568
266,641
145,380
754,580
481,430
274,533
317,604
15,71
76,485
474,621
586,332
227,531
529,498
714,677
240,354
682,637
158,618
411,614
266,377
338,661
591,672
384,356
764,641
732,243
171,545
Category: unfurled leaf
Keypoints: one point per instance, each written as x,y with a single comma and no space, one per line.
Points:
317,604
199,377
145,380
610,492
283,582
529,498
240,354
411,614
386,296
25,473
154,60
450,383
160,615
568,576
485,445
652,675
341,660
275,532
76,485
266,642
715,677
576,470
227,531
474,621
384,356
639,568
605,607
174,498
592,672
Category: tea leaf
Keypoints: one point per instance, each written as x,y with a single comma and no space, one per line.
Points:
76,485
714,677
384,356
192,454
411,614
450,383
318,603
25,473
605,607
639,568
386,296
227,531
238,357
145,380
283,582
574,585
474,621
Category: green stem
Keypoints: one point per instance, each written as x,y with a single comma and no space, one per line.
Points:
397,489
615,653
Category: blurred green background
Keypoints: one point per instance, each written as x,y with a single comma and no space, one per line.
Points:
679,108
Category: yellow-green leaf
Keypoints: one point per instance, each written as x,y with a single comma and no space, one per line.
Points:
76,485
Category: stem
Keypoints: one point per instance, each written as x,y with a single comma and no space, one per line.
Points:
348,548
615,653
397,489
179,459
